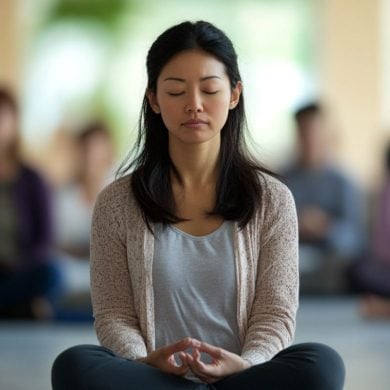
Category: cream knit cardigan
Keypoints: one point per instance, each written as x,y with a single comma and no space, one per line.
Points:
266,255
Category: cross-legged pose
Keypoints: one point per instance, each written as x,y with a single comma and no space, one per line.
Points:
194,253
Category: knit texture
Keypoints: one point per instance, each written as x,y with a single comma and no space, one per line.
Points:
266,257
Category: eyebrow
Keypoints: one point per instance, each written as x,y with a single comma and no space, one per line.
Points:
183,80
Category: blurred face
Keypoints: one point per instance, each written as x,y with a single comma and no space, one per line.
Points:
313,140
194,97
8,128
98,153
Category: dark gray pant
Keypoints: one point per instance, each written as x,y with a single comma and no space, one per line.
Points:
308,366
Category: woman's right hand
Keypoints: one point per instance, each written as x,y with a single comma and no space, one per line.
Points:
163,358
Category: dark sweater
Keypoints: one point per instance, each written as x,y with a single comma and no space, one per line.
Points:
34,218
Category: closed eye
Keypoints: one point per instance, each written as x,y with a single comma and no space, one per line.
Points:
210,92
175,93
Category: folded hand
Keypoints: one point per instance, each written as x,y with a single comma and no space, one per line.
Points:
224,362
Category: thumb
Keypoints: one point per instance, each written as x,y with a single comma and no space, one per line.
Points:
176,347
177,369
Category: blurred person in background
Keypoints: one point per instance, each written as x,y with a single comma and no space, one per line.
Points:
372,275
328,206
73,212
29,279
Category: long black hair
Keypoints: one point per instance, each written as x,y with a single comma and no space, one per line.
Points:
238,190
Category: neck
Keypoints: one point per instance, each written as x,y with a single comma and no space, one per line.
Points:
197,164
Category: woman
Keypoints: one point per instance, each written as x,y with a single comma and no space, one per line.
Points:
194,254
371,276
29,281
73,214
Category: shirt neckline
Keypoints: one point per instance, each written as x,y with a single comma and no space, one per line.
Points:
193,237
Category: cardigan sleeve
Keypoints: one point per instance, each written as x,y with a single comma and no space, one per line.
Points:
116,321
271,323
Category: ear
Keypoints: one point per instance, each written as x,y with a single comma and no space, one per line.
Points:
235,95
152,98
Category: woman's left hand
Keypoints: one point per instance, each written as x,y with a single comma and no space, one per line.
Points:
224,362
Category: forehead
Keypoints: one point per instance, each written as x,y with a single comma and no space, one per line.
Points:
193,64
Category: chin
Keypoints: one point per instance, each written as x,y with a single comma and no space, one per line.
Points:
195,140
195,137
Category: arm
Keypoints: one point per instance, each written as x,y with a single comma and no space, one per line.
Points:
116,321
271,323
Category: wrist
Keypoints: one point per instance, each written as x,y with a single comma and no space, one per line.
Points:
245,364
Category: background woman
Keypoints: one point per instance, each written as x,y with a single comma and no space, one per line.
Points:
73,206
194,255
371,276
29,281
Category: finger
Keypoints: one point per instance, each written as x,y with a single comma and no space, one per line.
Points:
172,360
176,347
193,362
200,366
183,358
212,350
203,377
189,358
195,371
179,370
196,355
208,370
175,368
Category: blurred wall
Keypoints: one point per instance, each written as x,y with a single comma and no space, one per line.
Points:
352,39
10,44
352,80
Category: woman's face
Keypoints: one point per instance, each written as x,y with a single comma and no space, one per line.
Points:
194,96
98,153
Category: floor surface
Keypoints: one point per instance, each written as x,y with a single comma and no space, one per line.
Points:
27,350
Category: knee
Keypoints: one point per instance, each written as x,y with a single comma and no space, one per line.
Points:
67,367
325,369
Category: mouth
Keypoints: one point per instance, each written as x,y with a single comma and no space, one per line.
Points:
194,123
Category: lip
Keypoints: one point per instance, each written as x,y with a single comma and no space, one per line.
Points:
194,123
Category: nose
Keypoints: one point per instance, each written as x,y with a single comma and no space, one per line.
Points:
194,103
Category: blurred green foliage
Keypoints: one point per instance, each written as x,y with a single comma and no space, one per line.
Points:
106,12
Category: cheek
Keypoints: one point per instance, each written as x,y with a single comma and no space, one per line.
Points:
169,113
220,109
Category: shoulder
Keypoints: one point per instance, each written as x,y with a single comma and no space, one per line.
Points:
30,175
278,211
274,192
116,192
117,201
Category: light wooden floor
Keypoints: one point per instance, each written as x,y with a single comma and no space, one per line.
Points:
27,350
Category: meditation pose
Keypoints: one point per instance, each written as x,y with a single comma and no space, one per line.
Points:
194,252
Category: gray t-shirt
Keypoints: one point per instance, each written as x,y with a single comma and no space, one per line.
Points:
194,284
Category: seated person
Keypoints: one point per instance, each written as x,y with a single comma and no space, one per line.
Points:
73,210
29,279
372,275
328,207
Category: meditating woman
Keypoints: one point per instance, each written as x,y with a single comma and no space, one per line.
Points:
194,253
